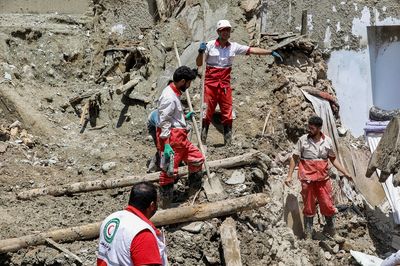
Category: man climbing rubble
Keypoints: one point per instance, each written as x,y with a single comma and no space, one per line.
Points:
217,88
172,136
128,237
314,149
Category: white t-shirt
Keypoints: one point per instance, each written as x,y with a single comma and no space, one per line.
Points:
222,57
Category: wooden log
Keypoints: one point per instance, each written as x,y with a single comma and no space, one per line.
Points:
101,184
286,42
62,249
128,85
85,112
230,243
77,99
163,217
265,124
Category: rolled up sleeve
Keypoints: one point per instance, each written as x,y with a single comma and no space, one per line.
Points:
297,149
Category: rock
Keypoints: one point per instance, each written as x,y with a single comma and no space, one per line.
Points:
49,99
28,142
347,246
327,255
108,166
179,260
342,131
7,76
340,254
249,6
301,79
3,147
212,260
15,124
28,72
238,177
257,174
14,132
335,249
193,228
276,171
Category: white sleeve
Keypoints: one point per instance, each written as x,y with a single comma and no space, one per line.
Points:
298,148
241,49
166,109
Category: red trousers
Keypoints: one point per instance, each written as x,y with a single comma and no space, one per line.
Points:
321,191
184,151
214,94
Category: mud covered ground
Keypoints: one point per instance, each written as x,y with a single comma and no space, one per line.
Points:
46,60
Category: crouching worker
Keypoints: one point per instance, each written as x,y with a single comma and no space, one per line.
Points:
313,151
172,137
128,237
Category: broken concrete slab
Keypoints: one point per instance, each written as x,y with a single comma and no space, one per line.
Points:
108,166
193,228
237,177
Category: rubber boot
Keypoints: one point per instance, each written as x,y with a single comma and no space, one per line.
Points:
228,135
204,133
329,228
330,231
308,227
195,181
166,196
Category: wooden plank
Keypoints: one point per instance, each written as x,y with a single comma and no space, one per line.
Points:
304,22
62,249
230,243
286,42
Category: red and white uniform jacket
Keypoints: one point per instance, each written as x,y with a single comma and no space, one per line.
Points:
117,233
219,62
314,157
170,111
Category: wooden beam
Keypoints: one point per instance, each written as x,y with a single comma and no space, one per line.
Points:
101,184
131,84
304,23
230,243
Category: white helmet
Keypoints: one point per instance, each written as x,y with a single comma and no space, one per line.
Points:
223,24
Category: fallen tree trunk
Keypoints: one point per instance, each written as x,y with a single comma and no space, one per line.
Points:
230,243
164,217
94,185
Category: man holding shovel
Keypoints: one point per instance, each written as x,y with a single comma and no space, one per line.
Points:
219,55
312,152
172,136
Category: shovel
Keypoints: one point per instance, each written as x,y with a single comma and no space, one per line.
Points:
211,184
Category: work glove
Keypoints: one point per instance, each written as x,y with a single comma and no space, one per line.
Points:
277,55
189,115
168,151
202,48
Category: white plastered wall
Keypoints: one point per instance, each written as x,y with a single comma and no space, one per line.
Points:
350,73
